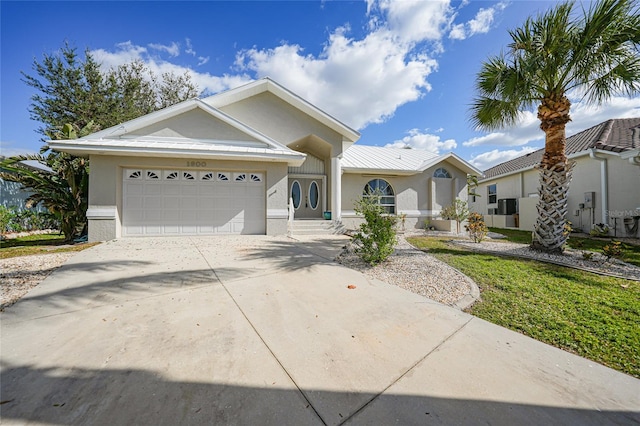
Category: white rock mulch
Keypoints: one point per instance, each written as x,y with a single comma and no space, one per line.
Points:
571,258
18,275
418,272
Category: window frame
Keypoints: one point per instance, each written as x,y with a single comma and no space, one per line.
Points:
492,195
369,191
442,170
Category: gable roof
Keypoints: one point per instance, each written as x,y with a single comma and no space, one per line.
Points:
615,135
382,160
121,140
268,85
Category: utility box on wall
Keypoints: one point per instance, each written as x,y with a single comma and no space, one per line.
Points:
589,200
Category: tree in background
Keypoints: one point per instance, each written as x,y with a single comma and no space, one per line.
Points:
458,211
472,184
595,56
74,98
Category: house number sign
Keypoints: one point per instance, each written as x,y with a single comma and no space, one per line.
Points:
196,164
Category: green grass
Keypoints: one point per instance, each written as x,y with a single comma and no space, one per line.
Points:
590,315
631,252
38,244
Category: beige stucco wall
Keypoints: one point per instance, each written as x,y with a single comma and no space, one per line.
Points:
195,124
414,194
279,120
528,213
105,188
623,192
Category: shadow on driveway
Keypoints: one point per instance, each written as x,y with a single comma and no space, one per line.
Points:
85,396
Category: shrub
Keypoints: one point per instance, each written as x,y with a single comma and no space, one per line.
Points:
377,235
5,219
13,219
587,255
476,227
613,250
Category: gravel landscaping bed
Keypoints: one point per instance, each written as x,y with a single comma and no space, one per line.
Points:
418,272
18,275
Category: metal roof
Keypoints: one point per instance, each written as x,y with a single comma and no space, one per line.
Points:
369,158
615,135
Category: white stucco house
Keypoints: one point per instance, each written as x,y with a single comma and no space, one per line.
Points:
605,187
231,163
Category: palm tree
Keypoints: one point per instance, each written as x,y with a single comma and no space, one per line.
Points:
594,56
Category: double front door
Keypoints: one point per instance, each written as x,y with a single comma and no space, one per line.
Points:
307,196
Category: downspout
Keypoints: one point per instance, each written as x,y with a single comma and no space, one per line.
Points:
604,184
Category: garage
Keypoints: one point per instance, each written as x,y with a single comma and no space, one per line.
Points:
187,202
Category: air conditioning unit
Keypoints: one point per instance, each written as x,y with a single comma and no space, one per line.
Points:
507,206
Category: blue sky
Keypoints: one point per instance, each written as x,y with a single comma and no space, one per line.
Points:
401,72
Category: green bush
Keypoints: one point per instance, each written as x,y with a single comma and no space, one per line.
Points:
377,235
13,219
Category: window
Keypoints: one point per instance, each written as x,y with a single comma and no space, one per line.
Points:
380,188
441,173
296,194
314,195
492,194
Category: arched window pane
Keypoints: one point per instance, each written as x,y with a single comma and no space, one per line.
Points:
441,173
384,193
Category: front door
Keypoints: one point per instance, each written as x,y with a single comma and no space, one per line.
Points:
306,194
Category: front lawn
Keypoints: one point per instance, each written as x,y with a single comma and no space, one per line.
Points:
631,252
593,316
38,244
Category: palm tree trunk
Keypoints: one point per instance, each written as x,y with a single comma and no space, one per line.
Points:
550,232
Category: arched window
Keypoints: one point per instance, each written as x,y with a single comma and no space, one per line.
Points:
441,173
382,189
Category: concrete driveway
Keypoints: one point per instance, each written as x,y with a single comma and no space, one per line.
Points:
260,330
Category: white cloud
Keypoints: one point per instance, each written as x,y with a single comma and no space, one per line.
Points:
172,49
480,24
457,32
189,49
362,81
127,52
417,20
416,139
357,81
584,115
526,131
491,158
8,149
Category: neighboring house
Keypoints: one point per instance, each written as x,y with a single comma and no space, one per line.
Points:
605,187
12,194
231,163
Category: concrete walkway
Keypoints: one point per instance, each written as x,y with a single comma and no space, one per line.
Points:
259,330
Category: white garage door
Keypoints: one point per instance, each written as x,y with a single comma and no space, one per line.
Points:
187,202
